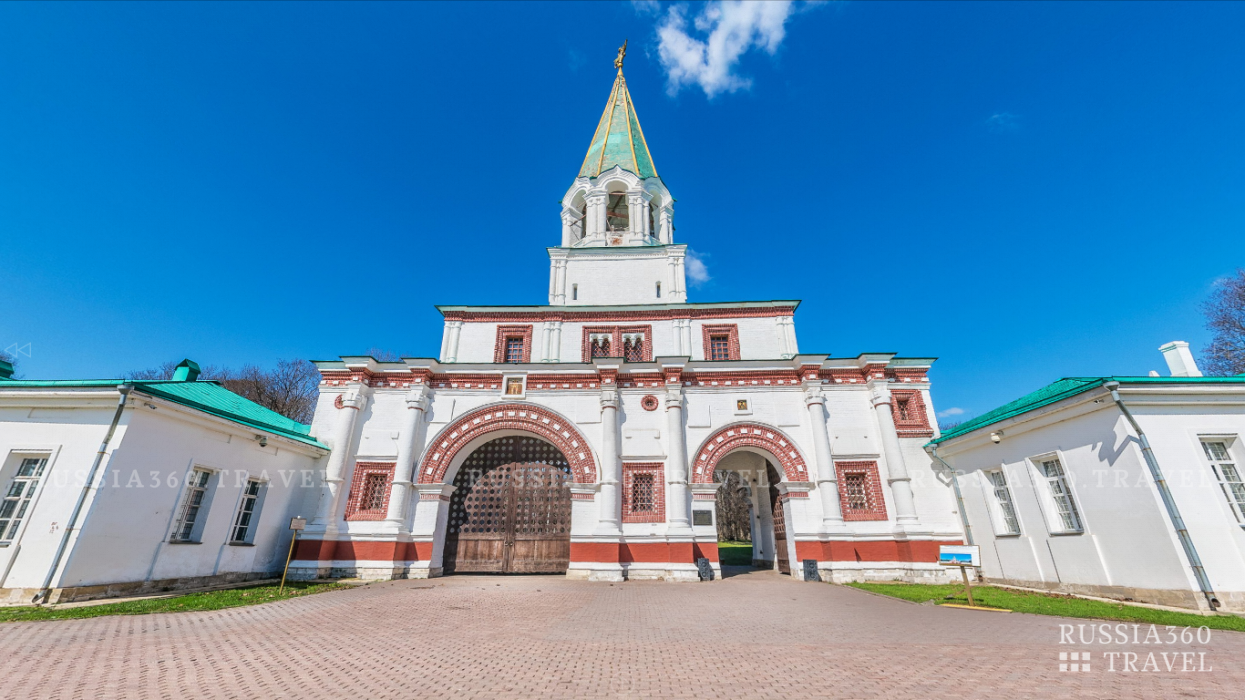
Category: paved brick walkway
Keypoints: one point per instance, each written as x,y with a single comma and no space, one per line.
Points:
756,635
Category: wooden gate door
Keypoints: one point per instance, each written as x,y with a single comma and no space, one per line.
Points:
508,516
780,522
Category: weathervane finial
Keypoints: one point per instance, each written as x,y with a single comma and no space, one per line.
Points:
622,53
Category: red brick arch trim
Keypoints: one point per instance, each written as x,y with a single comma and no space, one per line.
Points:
728,439
538,421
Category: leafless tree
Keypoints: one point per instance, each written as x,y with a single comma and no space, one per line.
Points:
734,523
384,355
291,388
1225,317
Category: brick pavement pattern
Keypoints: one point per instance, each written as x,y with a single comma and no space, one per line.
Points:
754,635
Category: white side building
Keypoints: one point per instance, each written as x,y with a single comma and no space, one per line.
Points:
1120,487
114,487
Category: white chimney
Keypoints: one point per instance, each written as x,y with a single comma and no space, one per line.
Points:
1179,359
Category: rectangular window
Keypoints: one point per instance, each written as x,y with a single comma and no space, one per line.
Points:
600,346
1003,501
903,407
1229,477
574,291
17,498
719,347
855,491
242,524
514,350
642,493
1061,493
192,504
659,290
375,487
633,347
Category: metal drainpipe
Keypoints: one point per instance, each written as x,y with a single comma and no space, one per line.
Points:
959,497
1173,513
42,595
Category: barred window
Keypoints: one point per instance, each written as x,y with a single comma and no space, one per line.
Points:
192,505
719,347
1061,493
642,493
514,350
242,524
601,346
901,406
1003,501
856,491
374,488
633,348
1224,467
17,499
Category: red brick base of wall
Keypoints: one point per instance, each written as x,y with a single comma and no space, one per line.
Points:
634,552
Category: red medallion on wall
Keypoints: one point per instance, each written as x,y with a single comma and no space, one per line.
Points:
649,403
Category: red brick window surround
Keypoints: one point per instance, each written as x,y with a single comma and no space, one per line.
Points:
721,341
908,409
632,343
514,345
860,491
369,491
644,492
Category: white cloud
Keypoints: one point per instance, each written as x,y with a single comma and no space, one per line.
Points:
1003,122
646,7
733,28
697,272
951,412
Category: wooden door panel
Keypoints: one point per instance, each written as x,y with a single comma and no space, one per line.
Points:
510,516
781,557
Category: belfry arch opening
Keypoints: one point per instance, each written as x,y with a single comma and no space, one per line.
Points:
510,511
749,513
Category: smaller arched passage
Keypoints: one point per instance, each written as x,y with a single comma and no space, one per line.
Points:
754,437
449,444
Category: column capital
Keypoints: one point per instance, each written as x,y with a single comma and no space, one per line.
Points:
813,395
880,392
418,397
609,398
354,397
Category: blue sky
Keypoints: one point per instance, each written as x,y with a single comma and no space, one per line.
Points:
1026,191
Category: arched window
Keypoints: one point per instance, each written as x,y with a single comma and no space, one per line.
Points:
617,212
633,347
600,345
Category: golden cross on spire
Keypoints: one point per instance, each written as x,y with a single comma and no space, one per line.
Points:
622,53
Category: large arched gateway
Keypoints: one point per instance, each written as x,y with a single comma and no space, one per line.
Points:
510,511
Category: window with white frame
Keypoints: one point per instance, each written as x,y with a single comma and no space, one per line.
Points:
18,496
248,513
1061,495
194,508
1224,467
1007,522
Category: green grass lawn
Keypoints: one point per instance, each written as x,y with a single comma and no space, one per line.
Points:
735,553
211,600
1049,604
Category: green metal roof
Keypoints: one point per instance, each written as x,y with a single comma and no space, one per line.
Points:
207,396
618,140
1062,389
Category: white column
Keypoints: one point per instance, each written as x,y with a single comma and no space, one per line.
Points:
827,480
555,350
676,463
334,472
454,329
680,278
897,469
610,519
686,333
666,225
410,442
546,333
596,214
568,221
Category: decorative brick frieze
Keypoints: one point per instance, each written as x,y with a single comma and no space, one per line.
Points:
538,421
612,317
369,491
726,440
504,335
860,491
908,408
729,335
644,492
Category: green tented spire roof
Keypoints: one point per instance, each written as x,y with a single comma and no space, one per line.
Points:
619,139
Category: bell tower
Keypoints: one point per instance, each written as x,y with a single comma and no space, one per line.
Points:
617,219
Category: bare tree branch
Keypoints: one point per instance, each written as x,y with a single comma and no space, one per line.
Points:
291,388
1225,317
733,505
